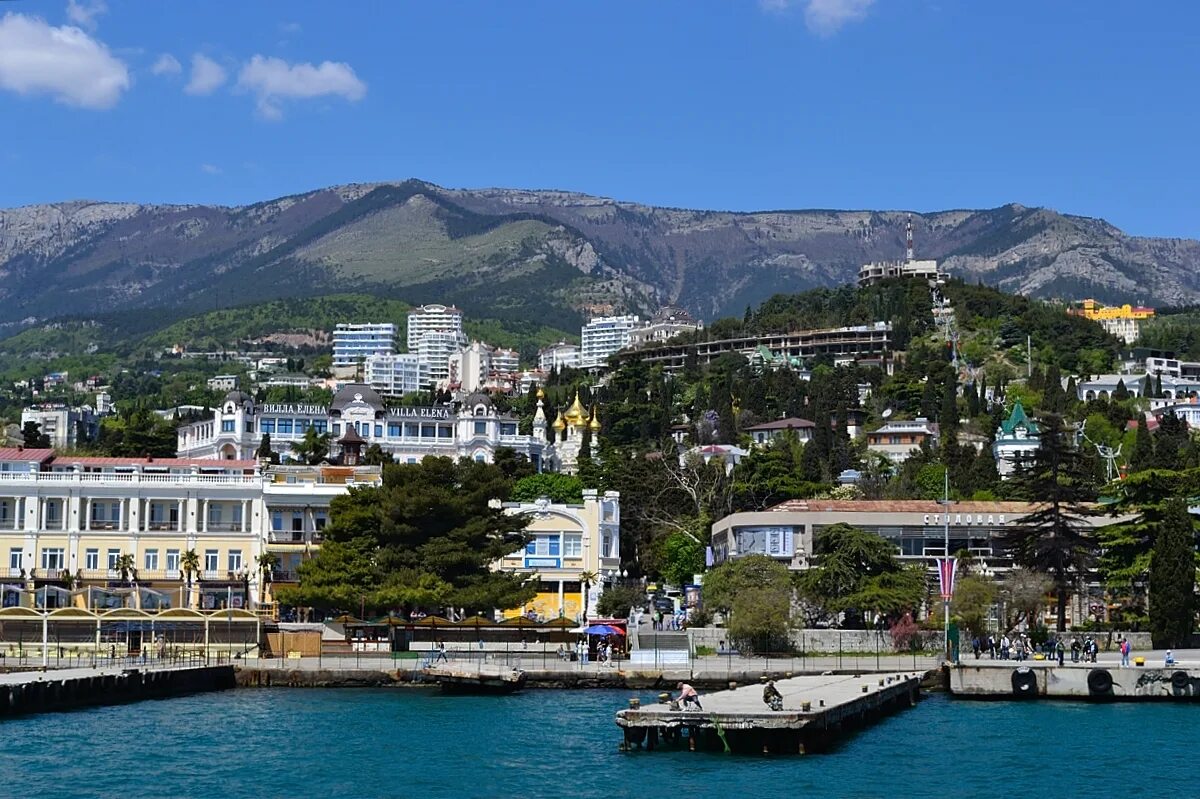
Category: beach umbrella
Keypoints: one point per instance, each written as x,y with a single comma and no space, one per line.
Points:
604,629
346,618
391,620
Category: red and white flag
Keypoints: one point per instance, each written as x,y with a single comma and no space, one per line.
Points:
946,576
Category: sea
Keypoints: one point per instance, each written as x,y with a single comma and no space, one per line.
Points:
332,743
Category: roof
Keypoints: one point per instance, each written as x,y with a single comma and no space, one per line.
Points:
351,436
790,423
202,463
1018,419
908,426
22,454
897,506
237,398
355,392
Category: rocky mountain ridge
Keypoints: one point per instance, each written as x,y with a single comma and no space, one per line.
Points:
551,255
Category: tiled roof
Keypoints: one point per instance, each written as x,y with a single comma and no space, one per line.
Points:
21,454
203,463
897,506
790,423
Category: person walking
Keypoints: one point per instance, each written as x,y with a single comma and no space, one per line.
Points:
1075,649
1125,649
1061,650
441,653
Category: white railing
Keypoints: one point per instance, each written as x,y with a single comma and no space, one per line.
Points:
96,478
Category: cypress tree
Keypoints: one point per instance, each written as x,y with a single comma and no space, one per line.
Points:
1142,456
1120,393
1173,579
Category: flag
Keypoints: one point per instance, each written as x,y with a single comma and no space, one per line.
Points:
946,576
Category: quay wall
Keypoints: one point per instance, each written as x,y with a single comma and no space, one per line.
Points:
1102,681
47,691
818,641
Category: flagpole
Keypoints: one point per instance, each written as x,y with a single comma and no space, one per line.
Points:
945,577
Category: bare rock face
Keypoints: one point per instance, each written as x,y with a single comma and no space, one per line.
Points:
564,249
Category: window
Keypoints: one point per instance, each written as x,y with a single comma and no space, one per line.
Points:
508,429
172,560
249,425
211,561
337,429
411,430
480,428
276,520
573,545
106,514
607,546
544,545
54,515
91,559
235,560
319,425
379,431
53,558
297,521
285,427
266,426
427,431
113,556
15,557
319,520
393,429
151,560
227,425
214,514
445,431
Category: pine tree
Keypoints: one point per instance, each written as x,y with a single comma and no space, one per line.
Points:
1158,389
972,396
1173,579
1120,393
1142,456
1053,539
948,412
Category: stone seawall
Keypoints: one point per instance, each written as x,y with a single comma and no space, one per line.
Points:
39,692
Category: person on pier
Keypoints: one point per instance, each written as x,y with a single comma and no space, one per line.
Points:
688,696
772,697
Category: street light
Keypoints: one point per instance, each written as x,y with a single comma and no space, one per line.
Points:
945,572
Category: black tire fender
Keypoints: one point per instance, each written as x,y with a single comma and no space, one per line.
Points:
1024,682
1099,681
1180,680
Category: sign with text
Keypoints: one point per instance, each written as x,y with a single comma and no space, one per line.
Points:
946,568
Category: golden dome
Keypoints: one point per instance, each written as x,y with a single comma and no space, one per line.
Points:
594,425
576,416
541,394
559,424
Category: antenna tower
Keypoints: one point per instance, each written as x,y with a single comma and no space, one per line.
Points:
908,239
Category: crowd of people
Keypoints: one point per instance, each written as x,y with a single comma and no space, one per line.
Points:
1019,647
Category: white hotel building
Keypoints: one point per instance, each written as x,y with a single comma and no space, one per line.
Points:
396,375
473,429
603,336
353,343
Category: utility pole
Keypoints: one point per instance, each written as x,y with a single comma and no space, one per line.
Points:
1028,357
946,568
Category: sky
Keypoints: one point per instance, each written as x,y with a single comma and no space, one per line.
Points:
1088,108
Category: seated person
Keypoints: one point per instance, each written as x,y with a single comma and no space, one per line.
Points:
1169,660
771,696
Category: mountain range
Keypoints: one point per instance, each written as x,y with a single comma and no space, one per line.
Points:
553,256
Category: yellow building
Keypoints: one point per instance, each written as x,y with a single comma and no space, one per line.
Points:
1119,320
568,542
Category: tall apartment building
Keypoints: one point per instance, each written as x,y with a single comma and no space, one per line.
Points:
434,319
353,343
471,366
434,351
396,375
603,336
558,356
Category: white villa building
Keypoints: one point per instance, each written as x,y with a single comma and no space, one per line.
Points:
667,322
558,356
1017,438
396,375
352,343
473,429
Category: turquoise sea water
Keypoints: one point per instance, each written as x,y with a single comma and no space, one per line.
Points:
293,743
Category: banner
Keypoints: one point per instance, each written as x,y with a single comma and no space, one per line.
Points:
946,576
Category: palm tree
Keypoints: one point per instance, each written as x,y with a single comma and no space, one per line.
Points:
267,562
125,564
189,564
586,580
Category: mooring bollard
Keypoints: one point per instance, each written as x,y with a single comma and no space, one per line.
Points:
634,703
732,685
806,705
866,688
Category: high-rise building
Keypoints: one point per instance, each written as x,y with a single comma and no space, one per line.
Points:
396,375
603,336
434,351
352,343
558,356
505,362
434,319
470,366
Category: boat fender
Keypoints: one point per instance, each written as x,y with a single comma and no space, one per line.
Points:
1024,682
1099,682
1180,680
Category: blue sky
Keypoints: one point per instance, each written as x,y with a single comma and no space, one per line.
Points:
1089,108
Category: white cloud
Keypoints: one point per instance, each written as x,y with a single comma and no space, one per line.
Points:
824,17
166,64
273,80
289,27
210,169
84,14
207,75
64,62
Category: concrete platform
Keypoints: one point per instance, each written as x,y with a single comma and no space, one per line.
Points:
817,710
1103,681
66,689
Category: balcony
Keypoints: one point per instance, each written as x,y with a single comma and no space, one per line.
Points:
163,527
9,523
224,527
114,478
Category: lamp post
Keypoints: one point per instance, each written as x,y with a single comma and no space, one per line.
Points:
947,579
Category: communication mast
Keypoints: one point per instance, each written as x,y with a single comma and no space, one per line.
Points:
908,253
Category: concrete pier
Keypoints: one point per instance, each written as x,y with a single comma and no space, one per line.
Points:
67,689
1081,681
817,711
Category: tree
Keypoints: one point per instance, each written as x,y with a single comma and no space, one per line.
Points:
755,594
972,602
586,580
1024,593
267,562
31,434
618,601
561,488
189,564
125,565
265,452
377,456
680,557
313,448
1053,539
857,573
1173,579
1143,447
425,538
